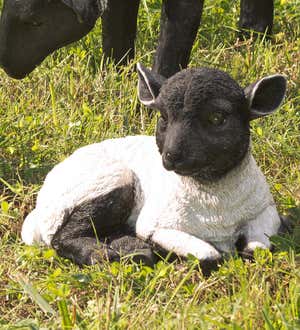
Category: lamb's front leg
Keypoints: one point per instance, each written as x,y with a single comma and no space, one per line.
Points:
184,244
257,232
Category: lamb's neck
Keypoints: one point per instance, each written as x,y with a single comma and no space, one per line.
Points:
246,168
241,194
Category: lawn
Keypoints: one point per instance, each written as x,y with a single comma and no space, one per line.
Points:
74,99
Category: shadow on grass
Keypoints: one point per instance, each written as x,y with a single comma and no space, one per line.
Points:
290,238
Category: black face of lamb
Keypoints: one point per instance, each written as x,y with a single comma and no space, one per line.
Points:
203,130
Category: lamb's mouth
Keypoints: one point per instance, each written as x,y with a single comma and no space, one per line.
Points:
192,173
195,172
204,174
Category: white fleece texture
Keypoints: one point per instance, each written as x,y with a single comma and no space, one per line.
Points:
177,212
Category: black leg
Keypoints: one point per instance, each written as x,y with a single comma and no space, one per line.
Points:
84,250
180,20
99,217
256,15
119,23
89,250
286,226
138,250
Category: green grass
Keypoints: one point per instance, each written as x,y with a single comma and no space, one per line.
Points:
72,100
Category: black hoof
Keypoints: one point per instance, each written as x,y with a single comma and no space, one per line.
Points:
286,226
99,256
210,265
144,256
135,248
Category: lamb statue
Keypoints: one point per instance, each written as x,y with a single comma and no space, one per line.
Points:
194,188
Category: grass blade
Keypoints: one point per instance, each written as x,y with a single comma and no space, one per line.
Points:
34,294
64,313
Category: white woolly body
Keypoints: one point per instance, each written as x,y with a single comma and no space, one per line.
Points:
176,212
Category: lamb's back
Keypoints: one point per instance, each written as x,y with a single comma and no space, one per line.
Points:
83,175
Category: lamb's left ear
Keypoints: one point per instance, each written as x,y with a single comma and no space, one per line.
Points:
148,86
265,95
87,11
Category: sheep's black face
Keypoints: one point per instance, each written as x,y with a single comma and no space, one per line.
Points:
32,29
203,130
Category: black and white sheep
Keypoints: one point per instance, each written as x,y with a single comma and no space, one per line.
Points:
196,190
30,30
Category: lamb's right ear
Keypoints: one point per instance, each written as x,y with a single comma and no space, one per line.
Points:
265,95
148,86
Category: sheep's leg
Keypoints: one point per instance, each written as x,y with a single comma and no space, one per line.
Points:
257,232
95,218
119,23
180,20
256,15
184,244
90,250
134,247
96,228
83,250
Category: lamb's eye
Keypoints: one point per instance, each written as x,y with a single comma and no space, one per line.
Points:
33,22
216,119
36,23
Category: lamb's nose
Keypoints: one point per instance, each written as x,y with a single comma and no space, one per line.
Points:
170,159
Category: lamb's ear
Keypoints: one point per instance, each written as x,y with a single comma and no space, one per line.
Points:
87,11
148,86
265,95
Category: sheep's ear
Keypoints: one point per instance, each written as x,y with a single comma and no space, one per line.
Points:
265,95
148,86
87,11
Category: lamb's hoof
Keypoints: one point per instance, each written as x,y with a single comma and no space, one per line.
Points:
248,252
210,265
144,256
134,248
286,226
101,255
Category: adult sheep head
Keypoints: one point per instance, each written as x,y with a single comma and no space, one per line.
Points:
32,29
204,127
